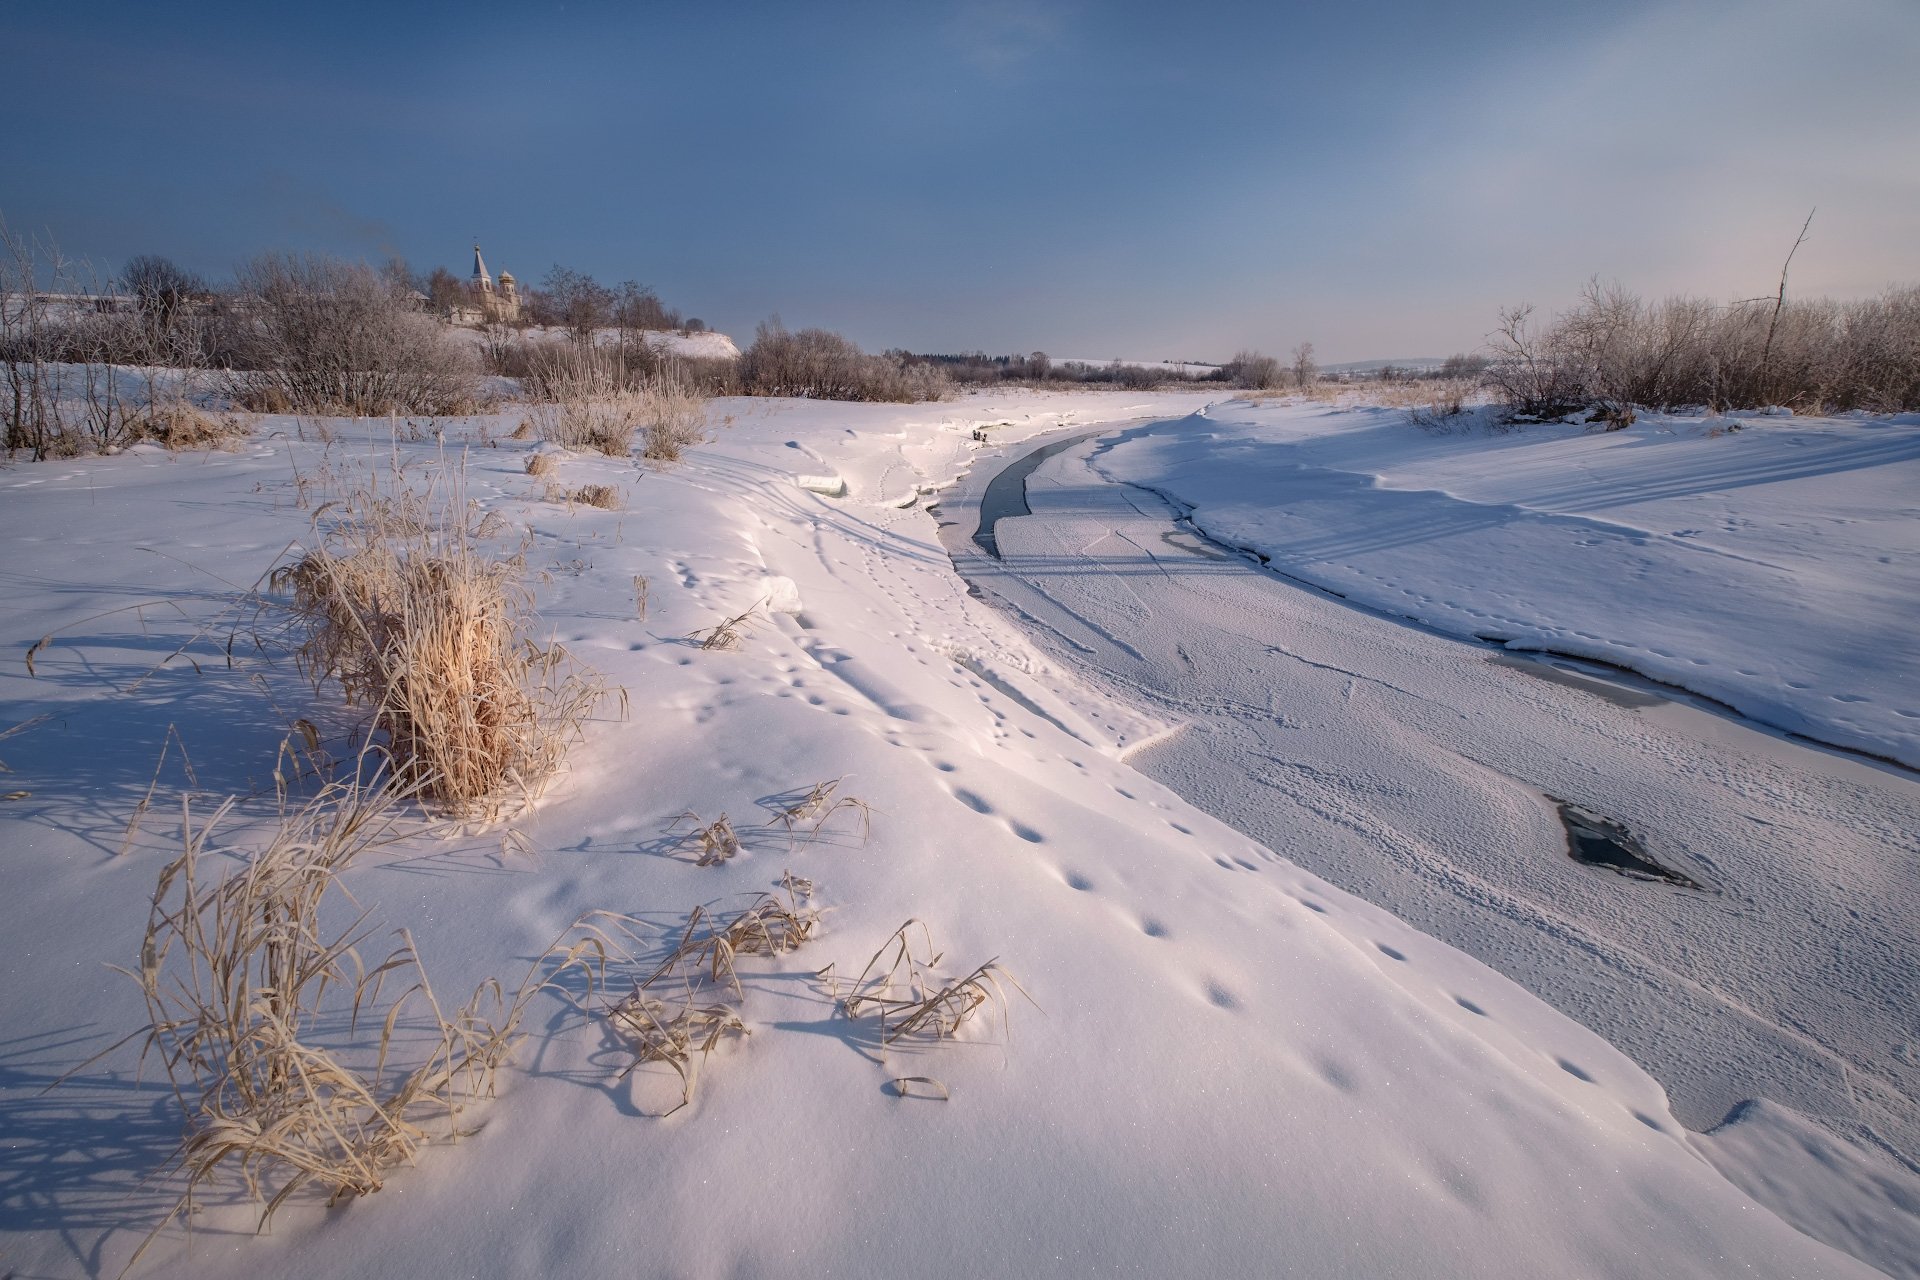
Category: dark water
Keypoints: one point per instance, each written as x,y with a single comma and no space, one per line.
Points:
1602,842
1006,493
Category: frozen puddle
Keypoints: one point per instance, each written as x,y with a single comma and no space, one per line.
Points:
1602,842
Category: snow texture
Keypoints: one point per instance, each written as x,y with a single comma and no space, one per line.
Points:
1233,1069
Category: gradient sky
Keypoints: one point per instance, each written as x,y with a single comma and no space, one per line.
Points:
1091,179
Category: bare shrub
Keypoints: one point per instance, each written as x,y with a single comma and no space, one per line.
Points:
820,364
60,339
411,616
1252,370
1612,352
317,335
1533,376
1445,410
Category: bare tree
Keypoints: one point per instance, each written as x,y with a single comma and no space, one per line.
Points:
161,290
1305,372
574,301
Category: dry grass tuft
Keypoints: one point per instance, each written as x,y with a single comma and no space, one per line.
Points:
656,1032
525,431
727,632
598,405
540,464
913,1000
813,808
679,1031
640,590
417,621
179,425
771,926
253,997
603,496
716,840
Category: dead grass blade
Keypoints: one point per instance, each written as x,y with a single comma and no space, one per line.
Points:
727,633
23,727
934,1089
171,741
902,986
813,808
767,927
716,840
657,1033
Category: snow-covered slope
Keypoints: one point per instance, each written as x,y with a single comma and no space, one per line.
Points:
1772,567
1233,1069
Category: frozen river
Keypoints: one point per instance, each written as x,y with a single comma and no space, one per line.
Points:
1432,777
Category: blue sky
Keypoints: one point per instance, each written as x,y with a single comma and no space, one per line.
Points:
1146,180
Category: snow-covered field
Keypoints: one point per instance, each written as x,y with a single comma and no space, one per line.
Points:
1229,1068
1774,567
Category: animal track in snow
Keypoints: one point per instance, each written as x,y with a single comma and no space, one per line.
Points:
972,801
1575,1070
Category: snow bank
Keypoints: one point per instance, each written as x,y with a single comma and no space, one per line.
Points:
1772,568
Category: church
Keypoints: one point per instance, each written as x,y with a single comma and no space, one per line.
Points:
486,304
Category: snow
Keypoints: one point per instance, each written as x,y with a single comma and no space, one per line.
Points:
1772,568
1234,1068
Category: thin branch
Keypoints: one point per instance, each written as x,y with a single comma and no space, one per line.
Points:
1780,299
